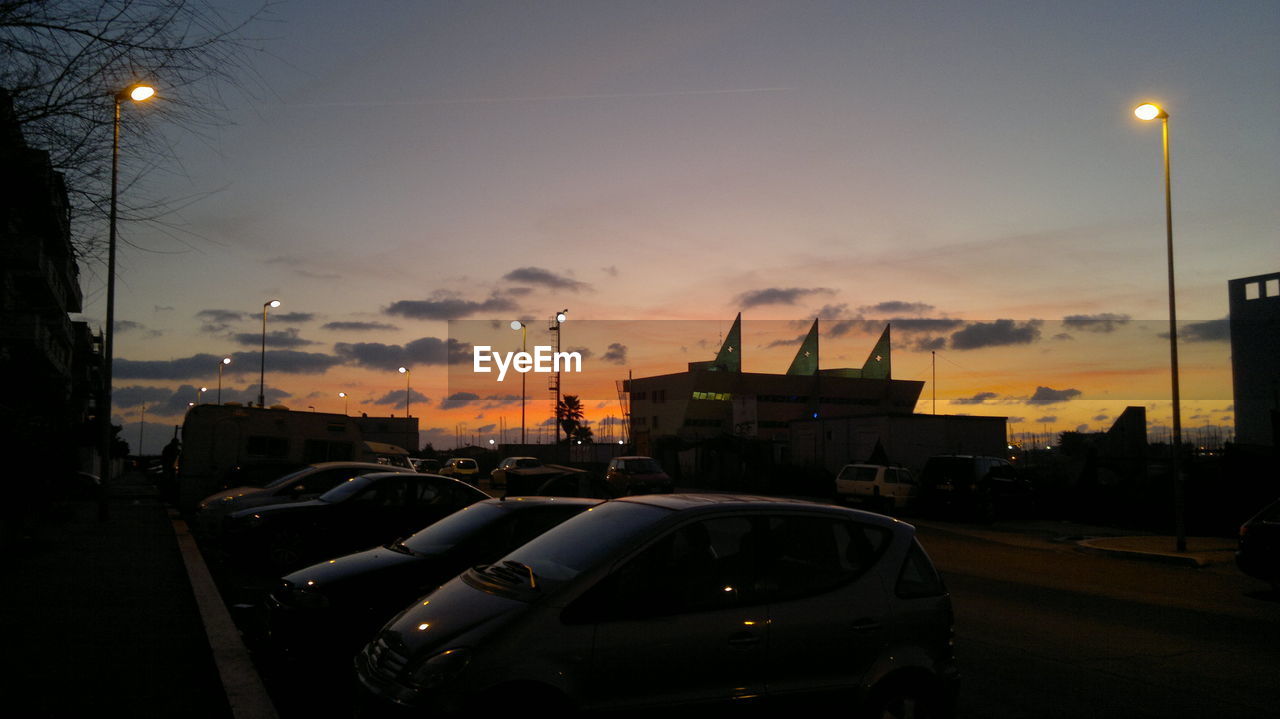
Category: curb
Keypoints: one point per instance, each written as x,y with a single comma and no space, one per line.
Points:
245,692
1090,546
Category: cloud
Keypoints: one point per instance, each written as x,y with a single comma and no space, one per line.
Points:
448,308
201,365
586,353
318,275
459,399
1047,419
162,308
516,291
833,312
995,334
219,320
978,398
125,326
909,325
792,342
546,278
778,296
423,351
358,326
616,354
611,270
1207,331
929,344
1101,417
291,317
206,365
137,395
1105,322
896,307
1046,395
276,338
396,398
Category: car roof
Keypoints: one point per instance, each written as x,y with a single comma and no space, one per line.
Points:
513,503
634,456
707,501
355,465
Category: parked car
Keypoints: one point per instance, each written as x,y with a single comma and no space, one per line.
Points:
1258,554
973,487
426,466
462,468
662,601
498,477
338,605
879,487
362,512
637,475
306,483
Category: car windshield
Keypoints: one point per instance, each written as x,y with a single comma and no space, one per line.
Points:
641,466
346,489
586,540
288,477
465,464
525,463
455,528
859,474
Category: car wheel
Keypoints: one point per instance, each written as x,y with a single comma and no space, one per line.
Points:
284,549
901,700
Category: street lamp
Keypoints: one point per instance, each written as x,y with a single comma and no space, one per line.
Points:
561,316
137,93
1150,111
345,402
225,361
405,371
262,370
200,395
524,347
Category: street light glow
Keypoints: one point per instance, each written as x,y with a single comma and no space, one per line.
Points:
517,325
274,303
138,93
1148,111
403,370
226,360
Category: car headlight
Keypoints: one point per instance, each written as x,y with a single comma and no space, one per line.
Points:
441,668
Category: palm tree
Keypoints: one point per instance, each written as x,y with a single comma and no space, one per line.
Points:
569,414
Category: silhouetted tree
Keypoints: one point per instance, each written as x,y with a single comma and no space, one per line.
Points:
569,414
63,61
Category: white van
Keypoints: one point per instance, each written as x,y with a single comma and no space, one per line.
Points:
880,487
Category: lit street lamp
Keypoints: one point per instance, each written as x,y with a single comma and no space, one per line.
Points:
200,395
225,361
405,371
1149,111
137,93
524,347
345,401
262,370
561,316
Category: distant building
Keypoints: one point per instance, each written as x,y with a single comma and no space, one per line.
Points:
51,365
1255,357
822,418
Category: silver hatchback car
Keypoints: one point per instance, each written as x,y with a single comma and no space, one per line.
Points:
683,599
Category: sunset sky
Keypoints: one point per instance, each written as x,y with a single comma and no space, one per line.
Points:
397,164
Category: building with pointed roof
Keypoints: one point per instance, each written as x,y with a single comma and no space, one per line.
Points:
716,398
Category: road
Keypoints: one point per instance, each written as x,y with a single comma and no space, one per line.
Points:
1045,631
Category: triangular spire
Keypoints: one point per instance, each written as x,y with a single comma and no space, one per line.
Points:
806,361
877,365
729,358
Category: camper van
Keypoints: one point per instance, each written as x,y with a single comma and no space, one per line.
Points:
232,445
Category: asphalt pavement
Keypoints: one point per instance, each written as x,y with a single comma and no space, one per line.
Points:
119,614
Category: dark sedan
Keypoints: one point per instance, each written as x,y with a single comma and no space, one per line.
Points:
364,511
338,605
1259,552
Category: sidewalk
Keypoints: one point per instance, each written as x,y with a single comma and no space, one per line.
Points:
99,617
1110,541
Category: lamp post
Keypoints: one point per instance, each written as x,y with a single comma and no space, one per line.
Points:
262,370
405,371
345,402
560,317
137,93
200,395
220,365
1149,111
524,347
